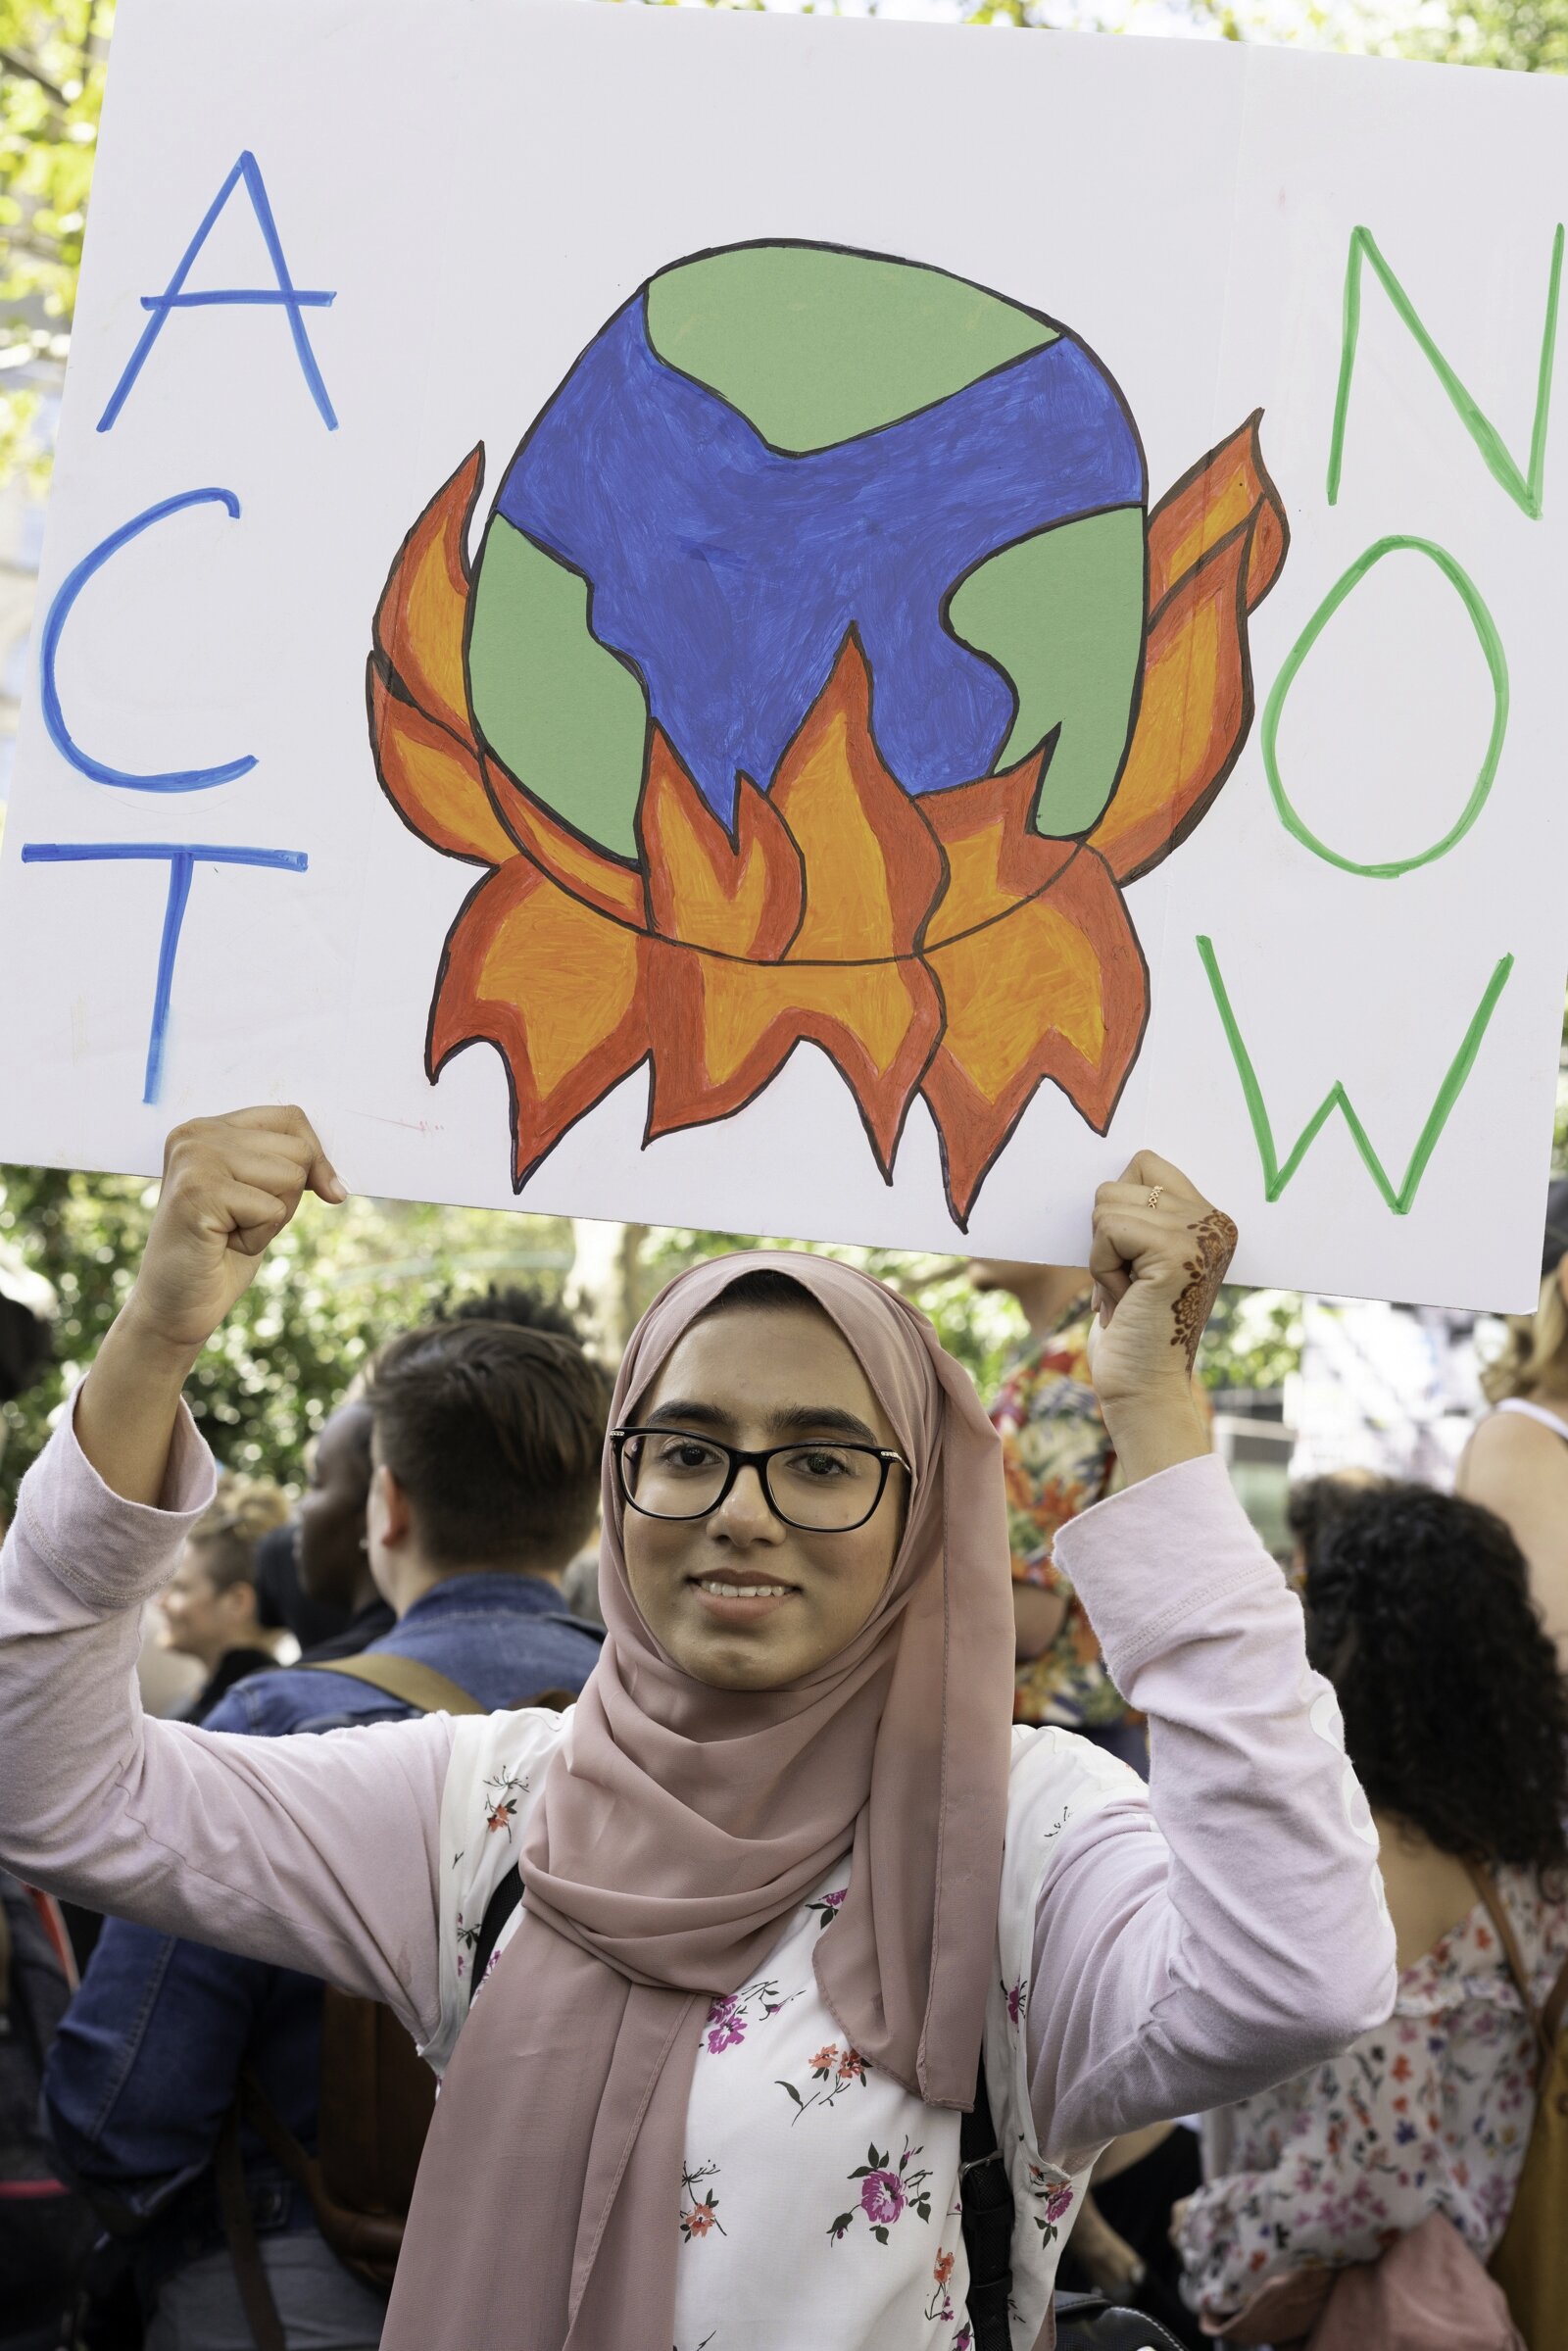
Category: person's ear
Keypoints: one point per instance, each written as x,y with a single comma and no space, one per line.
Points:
389,1506
244,1610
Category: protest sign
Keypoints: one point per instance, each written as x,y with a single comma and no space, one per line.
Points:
811,627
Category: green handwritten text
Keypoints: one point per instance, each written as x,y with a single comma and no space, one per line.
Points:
1497,661
1277,1175
1525,489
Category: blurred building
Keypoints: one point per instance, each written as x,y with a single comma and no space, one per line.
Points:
1384,1387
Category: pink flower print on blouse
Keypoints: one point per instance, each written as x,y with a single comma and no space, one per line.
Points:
1017,1999
834,2071
882,2196
1053,2202
726,2024
699,2214
827,1908
731,2013
887,2191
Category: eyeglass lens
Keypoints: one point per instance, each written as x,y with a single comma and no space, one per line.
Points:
825,1487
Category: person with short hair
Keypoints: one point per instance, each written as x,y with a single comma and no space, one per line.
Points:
1418,1611
209,1605
480,1443
1516,1462
784,1896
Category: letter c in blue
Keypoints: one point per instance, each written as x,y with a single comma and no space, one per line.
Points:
184,779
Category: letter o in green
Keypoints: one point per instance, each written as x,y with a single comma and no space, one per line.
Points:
1491,644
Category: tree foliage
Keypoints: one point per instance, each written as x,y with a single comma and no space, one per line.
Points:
328,1292
52,61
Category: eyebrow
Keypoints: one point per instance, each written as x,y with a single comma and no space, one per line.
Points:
795,1420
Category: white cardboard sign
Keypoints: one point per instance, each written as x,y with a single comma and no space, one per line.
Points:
807,626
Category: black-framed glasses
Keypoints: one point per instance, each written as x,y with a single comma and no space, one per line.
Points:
815,1484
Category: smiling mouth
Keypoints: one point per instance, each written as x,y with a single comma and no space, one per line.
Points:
751,1597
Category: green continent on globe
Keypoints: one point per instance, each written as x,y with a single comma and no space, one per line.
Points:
815,346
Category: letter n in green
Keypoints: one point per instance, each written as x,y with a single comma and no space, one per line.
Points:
1277,1173
1525,489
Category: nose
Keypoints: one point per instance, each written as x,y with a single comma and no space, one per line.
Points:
745,1516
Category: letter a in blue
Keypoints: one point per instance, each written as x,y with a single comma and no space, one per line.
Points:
283,295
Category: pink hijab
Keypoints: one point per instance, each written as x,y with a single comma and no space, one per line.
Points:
677,1829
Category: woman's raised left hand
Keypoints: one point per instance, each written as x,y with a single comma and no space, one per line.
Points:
1158,1256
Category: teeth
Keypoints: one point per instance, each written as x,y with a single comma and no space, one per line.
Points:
743,1592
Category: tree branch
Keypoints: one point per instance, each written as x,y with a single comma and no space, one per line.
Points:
15,63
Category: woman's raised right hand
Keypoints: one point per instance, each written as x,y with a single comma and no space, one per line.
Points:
231,1185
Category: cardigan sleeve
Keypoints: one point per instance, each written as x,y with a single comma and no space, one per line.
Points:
317,1853
1203,1939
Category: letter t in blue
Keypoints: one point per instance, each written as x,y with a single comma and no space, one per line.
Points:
182,857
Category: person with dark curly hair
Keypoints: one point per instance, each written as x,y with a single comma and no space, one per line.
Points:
1419,1612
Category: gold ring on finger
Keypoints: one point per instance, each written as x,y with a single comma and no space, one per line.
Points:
1154,1196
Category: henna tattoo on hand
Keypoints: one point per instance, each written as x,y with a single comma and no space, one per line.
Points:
1216,1239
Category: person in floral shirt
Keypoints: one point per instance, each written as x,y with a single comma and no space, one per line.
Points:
1418,1611
1057,1459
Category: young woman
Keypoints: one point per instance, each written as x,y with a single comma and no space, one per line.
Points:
787,1870
1457,1718
1517,1461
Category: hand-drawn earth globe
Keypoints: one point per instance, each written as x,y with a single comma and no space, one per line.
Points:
766,445
822,680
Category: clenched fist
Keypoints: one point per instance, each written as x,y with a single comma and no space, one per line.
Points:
231,1185
1159,1253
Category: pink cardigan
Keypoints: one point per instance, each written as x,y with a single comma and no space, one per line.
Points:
1198,1941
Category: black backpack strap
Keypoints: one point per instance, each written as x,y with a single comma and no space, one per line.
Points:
499,1907
986,2194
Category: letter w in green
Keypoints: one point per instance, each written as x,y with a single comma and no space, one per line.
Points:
1525,489
1276,1175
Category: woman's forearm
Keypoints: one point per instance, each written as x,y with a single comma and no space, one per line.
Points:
128,1406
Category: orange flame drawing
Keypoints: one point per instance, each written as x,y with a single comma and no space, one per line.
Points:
937,946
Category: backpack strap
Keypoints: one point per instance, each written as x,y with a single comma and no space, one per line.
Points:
431,1692
985,2196
1555,2013
404,1678
499,1907
1486,1886
239,2231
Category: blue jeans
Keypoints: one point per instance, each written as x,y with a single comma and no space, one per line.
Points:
321,2306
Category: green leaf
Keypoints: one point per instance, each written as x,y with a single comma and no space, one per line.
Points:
790,2090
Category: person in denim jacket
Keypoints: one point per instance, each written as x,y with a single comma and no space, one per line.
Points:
485,1448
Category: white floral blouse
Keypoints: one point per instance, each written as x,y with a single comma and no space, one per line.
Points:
1431,2112
819,2200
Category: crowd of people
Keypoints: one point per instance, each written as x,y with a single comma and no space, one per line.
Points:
829,1991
